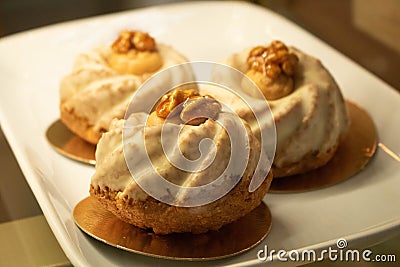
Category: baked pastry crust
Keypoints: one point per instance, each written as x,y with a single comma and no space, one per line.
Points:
80,125
164,219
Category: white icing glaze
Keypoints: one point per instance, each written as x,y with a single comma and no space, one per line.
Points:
98,93
112,170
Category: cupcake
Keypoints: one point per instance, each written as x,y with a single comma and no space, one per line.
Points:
208,188
103,81
308,108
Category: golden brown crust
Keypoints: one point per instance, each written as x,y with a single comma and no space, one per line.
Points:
310,161
164,219
79,125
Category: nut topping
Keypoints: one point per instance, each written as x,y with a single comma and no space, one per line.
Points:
273,60
173,99
195,109
128,40
272,69
198,109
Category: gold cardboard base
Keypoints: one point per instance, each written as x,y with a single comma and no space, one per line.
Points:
230,240
351,157
68,144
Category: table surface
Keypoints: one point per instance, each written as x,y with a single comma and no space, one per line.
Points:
367,31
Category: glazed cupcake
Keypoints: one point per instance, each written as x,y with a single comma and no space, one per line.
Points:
308,108
207,197
103,81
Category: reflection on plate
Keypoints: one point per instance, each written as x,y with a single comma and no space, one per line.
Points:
68,144
230,240
352,156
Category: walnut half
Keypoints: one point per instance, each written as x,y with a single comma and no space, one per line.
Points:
195,109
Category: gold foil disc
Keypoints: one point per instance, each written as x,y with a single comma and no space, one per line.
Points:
68,144
230,240
351,157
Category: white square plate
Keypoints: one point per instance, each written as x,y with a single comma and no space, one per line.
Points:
363,209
